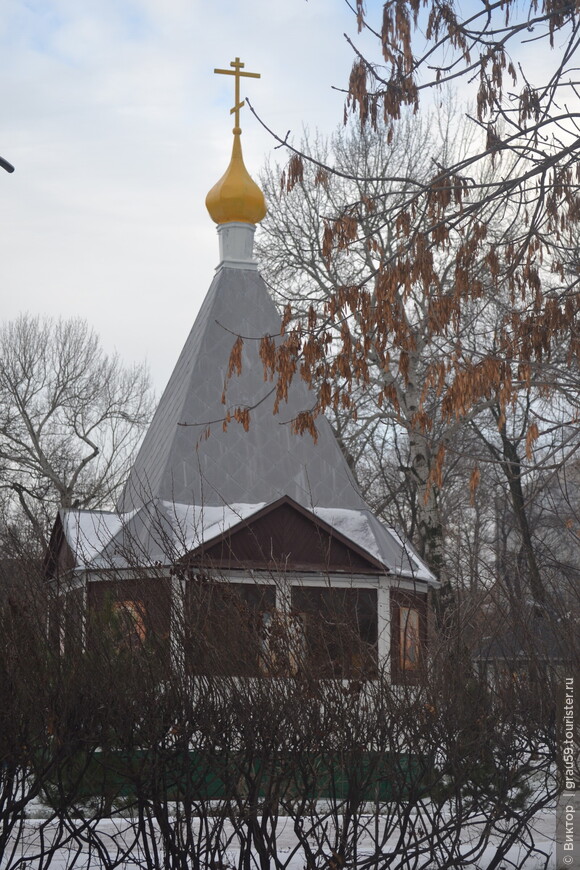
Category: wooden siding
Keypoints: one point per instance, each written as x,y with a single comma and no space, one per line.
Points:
59,558
287,538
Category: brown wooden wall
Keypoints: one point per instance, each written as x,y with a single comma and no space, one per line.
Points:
233,629
286,539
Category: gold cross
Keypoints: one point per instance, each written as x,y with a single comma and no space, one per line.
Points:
237,72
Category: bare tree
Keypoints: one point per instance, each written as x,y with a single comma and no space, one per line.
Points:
240,767
525,110
529,448
378,349
438,237
70,419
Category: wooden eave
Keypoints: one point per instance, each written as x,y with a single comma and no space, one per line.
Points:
59,558
212,552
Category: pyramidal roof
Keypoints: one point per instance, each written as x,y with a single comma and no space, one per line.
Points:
188,458
196,479
189,455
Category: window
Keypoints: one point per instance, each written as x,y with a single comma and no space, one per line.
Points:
229,627
283,644
408,635
339,630
409,642
129,623
130,615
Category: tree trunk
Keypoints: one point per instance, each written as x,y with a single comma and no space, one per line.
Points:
429,525
513,471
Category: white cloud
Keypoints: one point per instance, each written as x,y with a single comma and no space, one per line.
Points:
117,128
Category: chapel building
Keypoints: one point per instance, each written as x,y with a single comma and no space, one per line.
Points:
243,545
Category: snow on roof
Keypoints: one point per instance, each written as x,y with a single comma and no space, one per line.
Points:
162,532
159,532
419,568
86,532
362,527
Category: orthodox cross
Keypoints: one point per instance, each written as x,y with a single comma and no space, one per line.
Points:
237,72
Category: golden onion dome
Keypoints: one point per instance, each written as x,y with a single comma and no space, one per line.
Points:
236,196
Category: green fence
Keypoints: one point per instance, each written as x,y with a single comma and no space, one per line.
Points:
214,776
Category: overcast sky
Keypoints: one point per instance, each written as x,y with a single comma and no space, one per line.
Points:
117,127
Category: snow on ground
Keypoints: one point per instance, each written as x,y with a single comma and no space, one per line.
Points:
118,837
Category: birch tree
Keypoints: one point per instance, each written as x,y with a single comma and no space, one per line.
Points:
498,219
376,350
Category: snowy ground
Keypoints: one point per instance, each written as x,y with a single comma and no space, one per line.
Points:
116,838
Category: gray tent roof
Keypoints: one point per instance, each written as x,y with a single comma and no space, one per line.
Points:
192,480
183,464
